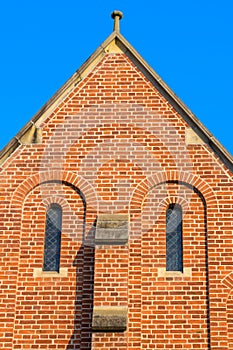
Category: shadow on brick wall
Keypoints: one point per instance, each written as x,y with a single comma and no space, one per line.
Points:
83,309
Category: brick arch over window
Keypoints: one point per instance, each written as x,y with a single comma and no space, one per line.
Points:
184,178
207,197
84,187
77,256
179,177
227,281
166,201
57,200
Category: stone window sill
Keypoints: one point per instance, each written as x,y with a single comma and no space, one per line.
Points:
187,272
50,274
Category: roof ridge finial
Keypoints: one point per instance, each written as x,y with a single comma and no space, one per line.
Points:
117,16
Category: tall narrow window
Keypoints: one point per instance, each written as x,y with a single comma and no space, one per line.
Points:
52,244
174,246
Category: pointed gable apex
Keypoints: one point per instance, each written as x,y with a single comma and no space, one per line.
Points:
115,43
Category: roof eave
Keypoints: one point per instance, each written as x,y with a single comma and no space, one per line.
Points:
78,76
180,107
54,100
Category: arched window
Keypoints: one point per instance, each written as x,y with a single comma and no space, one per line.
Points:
174,246
52,245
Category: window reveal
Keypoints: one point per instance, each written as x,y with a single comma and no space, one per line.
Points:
174,246
52,244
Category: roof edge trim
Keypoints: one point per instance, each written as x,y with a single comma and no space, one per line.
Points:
179,105
124,46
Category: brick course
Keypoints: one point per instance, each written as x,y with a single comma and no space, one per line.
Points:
116,145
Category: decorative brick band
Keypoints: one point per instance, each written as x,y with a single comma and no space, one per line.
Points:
109,319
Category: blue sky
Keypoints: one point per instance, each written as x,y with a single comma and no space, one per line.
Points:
188,43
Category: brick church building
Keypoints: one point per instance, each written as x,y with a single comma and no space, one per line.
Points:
116,217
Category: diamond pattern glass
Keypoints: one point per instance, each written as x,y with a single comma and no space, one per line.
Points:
52,238
174,249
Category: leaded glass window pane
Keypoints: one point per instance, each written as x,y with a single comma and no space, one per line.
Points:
174,249
52,238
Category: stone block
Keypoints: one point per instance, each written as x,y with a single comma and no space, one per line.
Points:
109,319
192,138
112,229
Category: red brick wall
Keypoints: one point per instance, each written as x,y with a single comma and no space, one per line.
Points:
115,145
